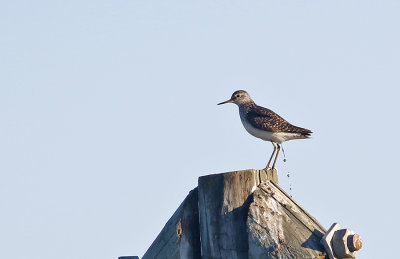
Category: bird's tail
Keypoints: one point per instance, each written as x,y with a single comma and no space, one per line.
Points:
304,132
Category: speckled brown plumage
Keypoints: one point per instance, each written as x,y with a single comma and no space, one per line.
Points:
265,119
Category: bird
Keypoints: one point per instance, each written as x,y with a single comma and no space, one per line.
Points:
265,124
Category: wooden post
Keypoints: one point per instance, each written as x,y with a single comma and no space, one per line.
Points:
243,218
223,205
239,215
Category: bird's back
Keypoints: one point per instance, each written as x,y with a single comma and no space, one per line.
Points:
266,124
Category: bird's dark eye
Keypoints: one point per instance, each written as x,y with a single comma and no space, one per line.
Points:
237,96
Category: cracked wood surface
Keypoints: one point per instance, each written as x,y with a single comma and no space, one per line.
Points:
279,228
239,215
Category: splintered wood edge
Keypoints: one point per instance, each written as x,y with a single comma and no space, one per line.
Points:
321,228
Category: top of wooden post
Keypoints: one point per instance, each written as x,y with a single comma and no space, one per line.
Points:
240,214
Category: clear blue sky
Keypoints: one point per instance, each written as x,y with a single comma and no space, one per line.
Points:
108,115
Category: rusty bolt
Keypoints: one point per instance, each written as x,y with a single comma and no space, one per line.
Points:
354,242
341,243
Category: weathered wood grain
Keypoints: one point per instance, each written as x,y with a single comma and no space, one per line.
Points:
279,228
223,205
239,215
241,218
180,238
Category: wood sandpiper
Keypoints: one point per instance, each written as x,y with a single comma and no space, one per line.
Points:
265,124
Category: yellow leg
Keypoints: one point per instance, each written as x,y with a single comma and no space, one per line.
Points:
271,155
277,153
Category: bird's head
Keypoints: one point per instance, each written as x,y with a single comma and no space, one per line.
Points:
239,97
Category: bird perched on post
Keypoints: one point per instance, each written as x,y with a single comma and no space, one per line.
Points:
265,124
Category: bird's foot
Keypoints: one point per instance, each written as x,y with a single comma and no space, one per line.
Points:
269,169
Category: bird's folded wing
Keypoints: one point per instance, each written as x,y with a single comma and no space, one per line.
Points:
265,119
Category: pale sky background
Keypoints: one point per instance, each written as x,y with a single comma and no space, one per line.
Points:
108,115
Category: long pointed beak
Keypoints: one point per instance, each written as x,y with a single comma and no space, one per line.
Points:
229,101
